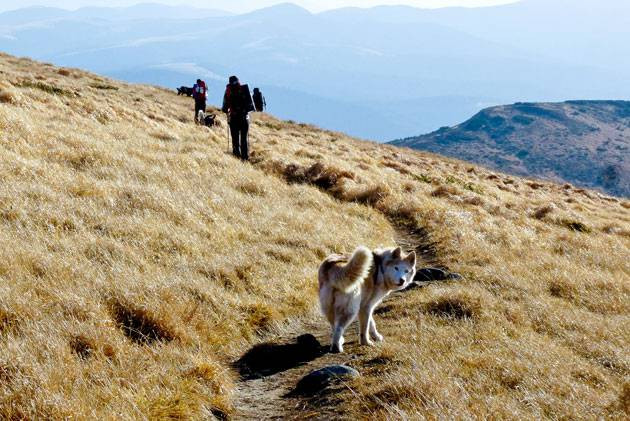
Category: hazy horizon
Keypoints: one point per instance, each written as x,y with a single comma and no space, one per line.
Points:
238,6
451,62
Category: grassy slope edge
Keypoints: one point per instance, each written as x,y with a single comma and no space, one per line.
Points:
138,260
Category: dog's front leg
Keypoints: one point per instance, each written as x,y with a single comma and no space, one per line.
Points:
364,326
373,332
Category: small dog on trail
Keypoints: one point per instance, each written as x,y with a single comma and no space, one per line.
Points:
351,286
208,120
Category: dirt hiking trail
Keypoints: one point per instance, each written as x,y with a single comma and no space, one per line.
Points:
269,372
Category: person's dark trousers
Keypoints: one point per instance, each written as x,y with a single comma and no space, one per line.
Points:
200,105
239,128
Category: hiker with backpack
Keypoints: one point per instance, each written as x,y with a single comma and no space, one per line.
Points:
259,100
237,104
200,94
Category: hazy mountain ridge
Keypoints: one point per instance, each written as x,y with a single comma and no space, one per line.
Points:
582,142
141,11
359,62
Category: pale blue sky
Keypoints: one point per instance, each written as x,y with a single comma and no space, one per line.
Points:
245,5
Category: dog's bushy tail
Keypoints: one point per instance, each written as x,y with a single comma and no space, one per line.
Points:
355,271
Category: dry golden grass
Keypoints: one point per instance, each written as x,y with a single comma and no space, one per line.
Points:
139,259
540,327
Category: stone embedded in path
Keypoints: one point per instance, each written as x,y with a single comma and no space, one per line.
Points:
318,380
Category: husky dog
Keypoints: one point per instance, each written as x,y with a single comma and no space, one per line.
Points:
355,285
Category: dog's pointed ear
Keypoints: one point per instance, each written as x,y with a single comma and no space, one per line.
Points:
411,258
397,254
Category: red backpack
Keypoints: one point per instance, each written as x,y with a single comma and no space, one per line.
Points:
201,90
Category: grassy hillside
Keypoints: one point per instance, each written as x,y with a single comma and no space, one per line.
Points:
582,142
139,260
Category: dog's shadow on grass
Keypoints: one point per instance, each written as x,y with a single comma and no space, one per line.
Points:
268,359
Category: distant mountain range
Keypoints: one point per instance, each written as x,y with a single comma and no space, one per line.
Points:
142,11
380,73
586,143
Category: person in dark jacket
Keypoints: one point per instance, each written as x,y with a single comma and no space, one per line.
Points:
200,94
259,100
237,104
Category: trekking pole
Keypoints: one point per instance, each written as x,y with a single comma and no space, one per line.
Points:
228,132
